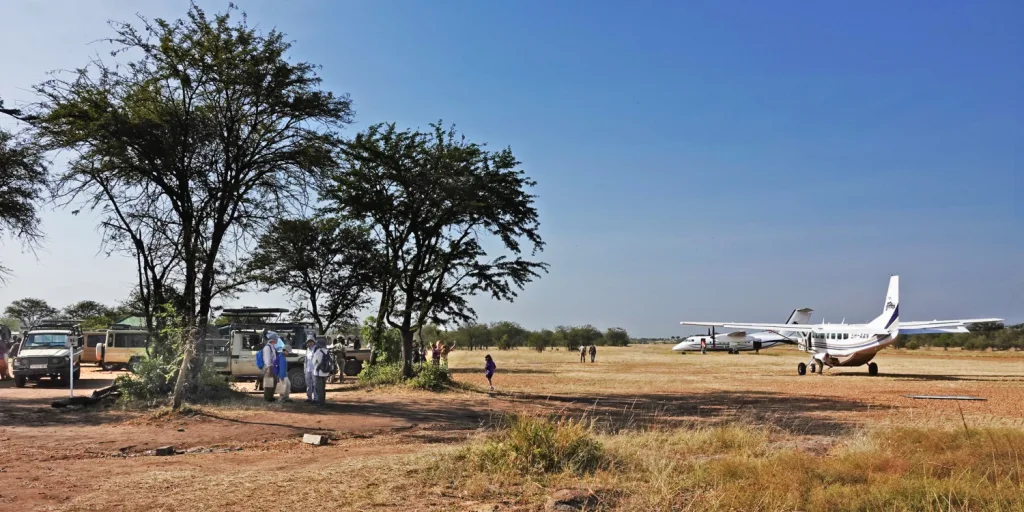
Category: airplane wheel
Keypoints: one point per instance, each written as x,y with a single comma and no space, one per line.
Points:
801,369
821,368
872,369
814,368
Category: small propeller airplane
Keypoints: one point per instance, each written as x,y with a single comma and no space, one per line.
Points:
739,341
854,344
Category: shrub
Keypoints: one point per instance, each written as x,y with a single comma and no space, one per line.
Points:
431,378
533,445
381,374
152,381
912,345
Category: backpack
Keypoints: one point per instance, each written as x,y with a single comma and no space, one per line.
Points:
327,364
261,364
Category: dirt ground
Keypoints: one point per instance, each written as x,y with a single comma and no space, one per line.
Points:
248,455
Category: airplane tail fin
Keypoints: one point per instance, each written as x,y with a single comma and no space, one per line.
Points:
800,316
889,320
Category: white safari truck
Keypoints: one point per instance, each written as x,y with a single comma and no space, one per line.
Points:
51,348
232,351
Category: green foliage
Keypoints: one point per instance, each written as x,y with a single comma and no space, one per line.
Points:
540,340
426,377
431,378
531,445
320,262
381,374
151,382
30,311
429,199
23,181
912,345
388,347
615,337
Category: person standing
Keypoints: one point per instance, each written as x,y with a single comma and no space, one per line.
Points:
5,349
489,368
269,376
435,354
309,370
593,353
319,373
583,353
282,371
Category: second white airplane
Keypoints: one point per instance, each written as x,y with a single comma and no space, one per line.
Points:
854,344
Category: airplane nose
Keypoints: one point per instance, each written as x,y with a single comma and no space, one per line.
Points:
680,347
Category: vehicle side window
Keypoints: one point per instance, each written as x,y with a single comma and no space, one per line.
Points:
251,341
94,339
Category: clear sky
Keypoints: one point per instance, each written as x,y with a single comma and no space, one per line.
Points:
695,160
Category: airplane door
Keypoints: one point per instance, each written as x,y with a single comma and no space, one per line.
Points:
805,342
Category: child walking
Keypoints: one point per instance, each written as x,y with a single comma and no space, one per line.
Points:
489,368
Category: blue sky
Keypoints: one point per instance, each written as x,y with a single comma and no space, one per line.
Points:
695,160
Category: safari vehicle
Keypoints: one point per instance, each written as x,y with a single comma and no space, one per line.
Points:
233,352
122,347
92,339
51,348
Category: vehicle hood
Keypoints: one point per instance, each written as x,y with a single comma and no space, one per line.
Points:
43,352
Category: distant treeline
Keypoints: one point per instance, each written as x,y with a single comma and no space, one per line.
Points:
504,336
992,336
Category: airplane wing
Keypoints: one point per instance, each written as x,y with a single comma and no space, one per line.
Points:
942,326
757,327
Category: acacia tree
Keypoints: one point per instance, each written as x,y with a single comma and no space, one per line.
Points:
320,263
207,136
23,180
429,200
30,311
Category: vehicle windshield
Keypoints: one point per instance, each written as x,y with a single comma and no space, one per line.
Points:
46,340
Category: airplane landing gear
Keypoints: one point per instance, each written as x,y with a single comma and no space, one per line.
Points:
872,369
801,369
814,368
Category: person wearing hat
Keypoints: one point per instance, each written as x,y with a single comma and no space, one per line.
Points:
269,357
309,369
319,376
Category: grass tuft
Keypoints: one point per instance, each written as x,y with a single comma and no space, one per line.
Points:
532,445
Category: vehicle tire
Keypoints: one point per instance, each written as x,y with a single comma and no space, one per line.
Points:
801,369
78,373
297,376
353,367
19,381
814,368
872,369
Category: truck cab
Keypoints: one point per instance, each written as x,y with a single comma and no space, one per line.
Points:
52,349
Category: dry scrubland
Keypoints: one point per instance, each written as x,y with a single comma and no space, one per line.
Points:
643,429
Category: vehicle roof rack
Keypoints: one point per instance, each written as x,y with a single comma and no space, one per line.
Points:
251,311
57,323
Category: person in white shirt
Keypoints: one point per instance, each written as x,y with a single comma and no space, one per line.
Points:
310,370
320,377
269,355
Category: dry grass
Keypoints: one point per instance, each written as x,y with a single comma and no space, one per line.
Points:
739,467
664,432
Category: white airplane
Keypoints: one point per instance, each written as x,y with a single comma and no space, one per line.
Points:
855,344
738,341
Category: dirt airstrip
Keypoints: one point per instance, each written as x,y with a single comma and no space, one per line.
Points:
247,455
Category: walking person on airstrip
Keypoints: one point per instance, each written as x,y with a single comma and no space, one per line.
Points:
583,353
593,353
489,368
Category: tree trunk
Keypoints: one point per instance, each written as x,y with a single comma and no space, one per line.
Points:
407,352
